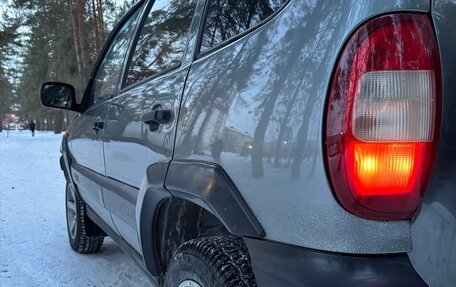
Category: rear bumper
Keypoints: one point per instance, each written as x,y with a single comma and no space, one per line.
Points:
277,264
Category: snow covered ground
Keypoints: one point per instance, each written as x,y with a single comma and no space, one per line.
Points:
34,249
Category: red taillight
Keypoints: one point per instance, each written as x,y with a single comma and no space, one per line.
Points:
383,117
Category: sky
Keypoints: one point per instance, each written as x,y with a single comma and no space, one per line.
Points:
1,10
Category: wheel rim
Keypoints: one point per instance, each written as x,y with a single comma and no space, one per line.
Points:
71,211
189,283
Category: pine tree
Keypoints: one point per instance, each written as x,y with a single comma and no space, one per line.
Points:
8,42
62,41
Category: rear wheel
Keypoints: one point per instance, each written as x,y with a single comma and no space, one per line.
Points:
211,262
84,235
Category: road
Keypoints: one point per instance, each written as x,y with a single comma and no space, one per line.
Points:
34,249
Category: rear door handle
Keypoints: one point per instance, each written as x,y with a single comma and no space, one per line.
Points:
157,117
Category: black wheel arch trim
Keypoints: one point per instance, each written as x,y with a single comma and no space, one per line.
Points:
150,198
209,186
204,184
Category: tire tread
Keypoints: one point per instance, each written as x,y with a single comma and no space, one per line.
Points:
89,237
227,256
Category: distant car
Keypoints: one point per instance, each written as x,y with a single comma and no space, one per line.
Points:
270,143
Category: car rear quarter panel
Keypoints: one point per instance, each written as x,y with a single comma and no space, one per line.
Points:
257,108
434,229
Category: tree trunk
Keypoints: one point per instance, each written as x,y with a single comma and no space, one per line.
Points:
95,25
260,131
80,40
85,58
58,122
283,124
101,23
292,57
75,23
2,116
301,138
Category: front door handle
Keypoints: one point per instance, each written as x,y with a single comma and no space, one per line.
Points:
98,125
157,117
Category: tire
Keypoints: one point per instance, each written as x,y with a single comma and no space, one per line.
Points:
211,262
84,235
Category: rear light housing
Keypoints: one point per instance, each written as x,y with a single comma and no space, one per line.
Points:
383,117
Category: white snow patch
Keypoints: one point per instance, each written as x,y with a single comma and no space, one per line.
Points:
34,249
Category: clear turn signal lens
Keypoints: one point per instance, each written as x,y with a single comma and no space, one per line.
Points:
395,106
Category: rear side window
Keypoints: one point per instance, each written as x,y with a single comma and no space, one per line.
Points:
162,40
228,18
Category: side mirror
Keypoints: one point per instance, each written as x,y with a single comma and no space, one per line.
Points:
59,96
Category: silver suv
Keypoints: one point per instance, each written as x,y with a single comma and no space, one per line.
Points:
270,143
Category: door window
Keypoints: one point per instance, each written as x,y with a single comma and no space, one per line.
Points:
228,18
107,76
163,39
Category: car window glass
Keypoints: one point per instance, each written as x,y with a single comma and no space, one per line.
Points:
228,18
163,39
107,76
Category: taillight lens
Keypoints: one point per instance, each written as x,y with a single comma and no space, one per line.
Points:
383,117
